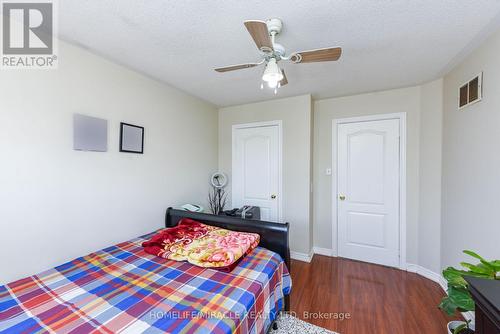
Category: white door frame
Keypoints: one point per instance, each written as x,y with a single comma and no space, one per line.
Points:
402,178
279,124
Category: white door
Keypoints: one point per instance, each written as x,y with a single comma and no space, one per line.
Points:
256,168
368,191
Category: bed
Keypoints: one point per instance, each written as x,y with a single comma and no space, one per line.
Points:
122,289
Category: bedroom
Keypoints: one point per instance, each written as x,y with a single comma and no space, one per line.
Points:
424,74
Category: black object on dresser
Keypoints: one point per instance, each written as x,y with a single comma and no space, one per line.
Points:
486,295
245,212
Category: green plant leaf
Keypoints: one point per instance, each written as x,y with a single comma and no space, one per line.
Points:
473,274
459,328
448,306
478,269
454,277
493,265
473,254
490,265
461,298
496,265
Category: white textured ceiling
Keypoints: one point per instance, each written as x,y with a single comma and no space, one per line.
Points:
386,44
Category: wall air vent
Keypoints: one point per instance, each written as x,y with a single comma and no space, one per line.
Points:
471,92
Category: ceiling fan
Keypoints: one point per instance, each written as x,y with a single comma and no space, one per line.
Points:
264,34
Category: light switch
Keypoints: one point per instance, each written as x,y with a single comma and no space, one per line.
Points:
328,171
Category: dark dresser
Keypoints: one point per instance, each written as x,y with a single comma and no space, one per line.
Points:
486,295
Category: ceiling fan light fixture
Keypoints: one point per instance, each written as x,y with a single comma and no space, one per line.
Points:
272,74
264,34
272,84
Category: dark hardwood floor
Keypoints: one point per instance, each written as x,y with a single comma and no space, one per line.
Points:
378,299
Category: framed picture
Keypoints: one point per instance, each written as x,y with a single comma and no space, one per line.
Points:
131,138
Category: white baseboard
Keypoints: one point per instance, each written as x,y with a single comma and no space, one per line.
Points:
304,257
443,283
308,257
435,277
323,251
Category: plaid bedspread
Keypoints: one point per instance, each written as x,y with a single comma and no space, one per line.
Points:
122,289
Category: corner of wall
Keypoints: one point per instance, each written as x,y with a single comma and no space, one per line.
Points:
311,173
430,150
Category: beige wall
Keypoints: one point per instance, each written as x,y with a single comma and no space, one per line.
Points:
295,113
394,101
57,204
471,160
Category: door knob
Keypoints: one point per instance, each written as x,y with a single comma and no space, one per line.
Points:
342,197
273,196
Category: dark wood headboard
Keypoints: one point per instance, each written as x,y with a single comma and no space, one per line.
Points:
273,236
